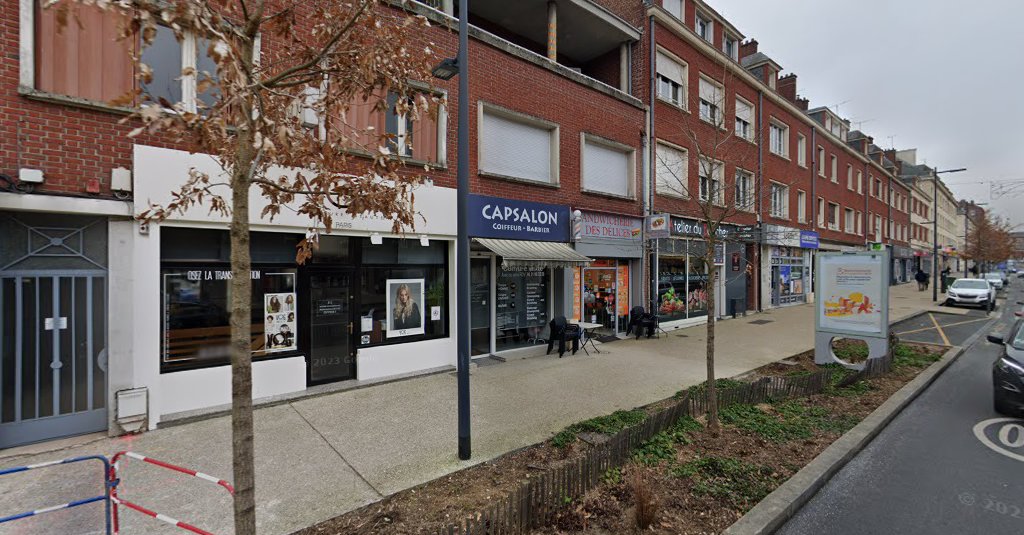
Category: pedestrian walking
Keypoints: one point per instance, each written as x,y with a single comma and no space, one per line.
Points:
921,279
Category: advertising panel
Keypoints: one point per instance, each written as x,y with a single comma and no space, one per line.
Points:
852,293
510,219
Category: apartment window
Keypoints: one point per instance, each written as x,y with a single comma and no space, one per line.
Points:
744,190
835,169
703,28
860,182
850,222
513,145
833,216
877,192
711,99
778,139
744,119
779,200
608,167
169,58
878,228
849,177
675,7
801,150
671,80
860,223
801,206
84,59
888,228
710,177
731,47
821,212
670,171
821,161
421,139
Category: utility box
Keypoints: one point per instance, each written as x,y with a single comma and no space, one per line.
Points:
132,409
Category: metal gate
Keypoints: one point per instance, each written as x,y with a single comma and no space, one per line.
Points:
53,333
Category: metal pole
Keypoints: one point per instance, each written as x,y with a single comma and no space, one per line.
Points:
462,242
967,221
935,236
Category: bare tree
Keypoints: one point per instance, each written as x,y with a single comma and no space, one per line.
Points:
320,57
989,241
712,197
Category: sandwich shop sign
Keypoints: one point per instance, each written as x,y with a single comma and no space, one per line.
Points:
853,302
510,219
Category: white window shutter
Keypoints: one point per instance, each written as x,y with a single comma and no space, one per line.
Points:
515,149
670,69
708,92
606,169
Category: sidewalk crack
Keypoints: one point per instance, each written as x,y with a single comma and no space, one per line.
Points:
340,456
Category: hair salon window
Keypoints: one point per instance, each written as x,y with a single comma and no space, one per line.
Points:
403,291
196,297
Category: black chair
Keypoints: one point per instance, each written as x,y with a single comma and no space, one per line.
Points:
563,331
641,320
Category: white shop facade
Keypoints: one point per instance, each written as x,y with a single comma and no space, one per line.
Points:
369,304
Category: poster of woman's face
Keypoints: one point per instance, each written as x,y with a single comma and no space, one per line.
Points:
279,329
405,306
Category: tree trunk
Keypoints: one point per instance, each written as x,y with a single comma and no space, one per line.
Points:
710,350
242,439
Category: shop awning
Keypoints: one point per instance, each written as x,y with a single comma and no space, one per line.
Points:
517,254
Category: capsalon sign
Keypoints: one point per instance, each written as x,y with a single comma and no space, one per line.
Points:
510,219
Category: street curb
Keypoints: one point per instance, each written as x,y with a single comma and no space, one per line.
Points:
773,511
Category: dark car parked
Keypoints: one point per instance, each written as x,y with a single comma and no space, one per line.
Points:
1008,371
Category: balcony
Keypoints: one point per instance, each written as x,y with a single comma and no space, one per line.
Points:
579,35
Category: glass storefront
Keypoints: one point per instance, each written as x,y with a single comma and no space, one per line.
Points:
521,308
601,294
682,279
350,294
790,276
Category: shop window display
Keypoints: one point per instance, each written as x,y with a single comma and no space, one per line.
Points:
521,306
403,292
682,279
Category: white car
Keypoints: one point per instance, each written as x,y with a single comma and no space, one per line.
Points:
995,278
978,292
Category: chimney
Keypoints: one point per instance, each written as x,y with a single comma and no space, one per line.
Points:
787,87
802,103
890,154
748,48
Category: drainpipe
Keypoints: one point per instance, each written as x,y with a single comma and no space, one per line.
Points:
814,181
552,31
759,184
651,155
867,195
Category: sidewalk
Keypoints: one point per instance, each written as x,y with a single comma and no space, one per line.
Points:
319,457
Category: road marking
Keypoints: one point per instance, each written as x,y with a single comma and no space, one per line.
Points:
942,333
1010,435
946,325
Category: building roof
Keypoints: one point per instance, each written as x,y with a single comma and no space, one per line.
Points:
758,58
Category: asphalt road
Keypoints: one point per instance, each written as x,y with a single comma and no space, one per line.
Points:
929,472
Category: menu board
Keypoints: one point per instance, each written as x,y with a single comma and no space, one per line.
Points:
521,299
622,286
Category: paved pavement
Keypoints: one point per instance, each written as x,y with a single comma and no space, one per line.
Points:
928,472
319,457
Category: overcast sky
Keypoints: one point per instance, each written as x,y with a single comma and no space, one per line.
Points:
941,76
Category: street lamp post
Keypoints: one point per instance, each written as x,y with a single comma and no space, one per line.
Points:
445,71
935,228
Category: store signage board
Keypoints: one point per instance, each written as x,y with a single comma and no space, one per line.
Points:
657,226
510,219
853,302
692,228
808,239
611,227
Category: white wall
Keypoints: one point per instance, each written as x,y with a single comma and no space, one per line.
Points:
210,387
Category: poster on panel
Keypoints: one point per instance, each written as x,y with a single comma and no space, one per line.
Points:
404,315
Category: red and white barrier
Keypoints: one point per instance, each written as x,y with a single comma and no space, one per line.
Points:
117,501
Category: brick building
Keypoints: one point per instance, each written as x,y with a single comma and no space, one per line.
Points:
586,116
